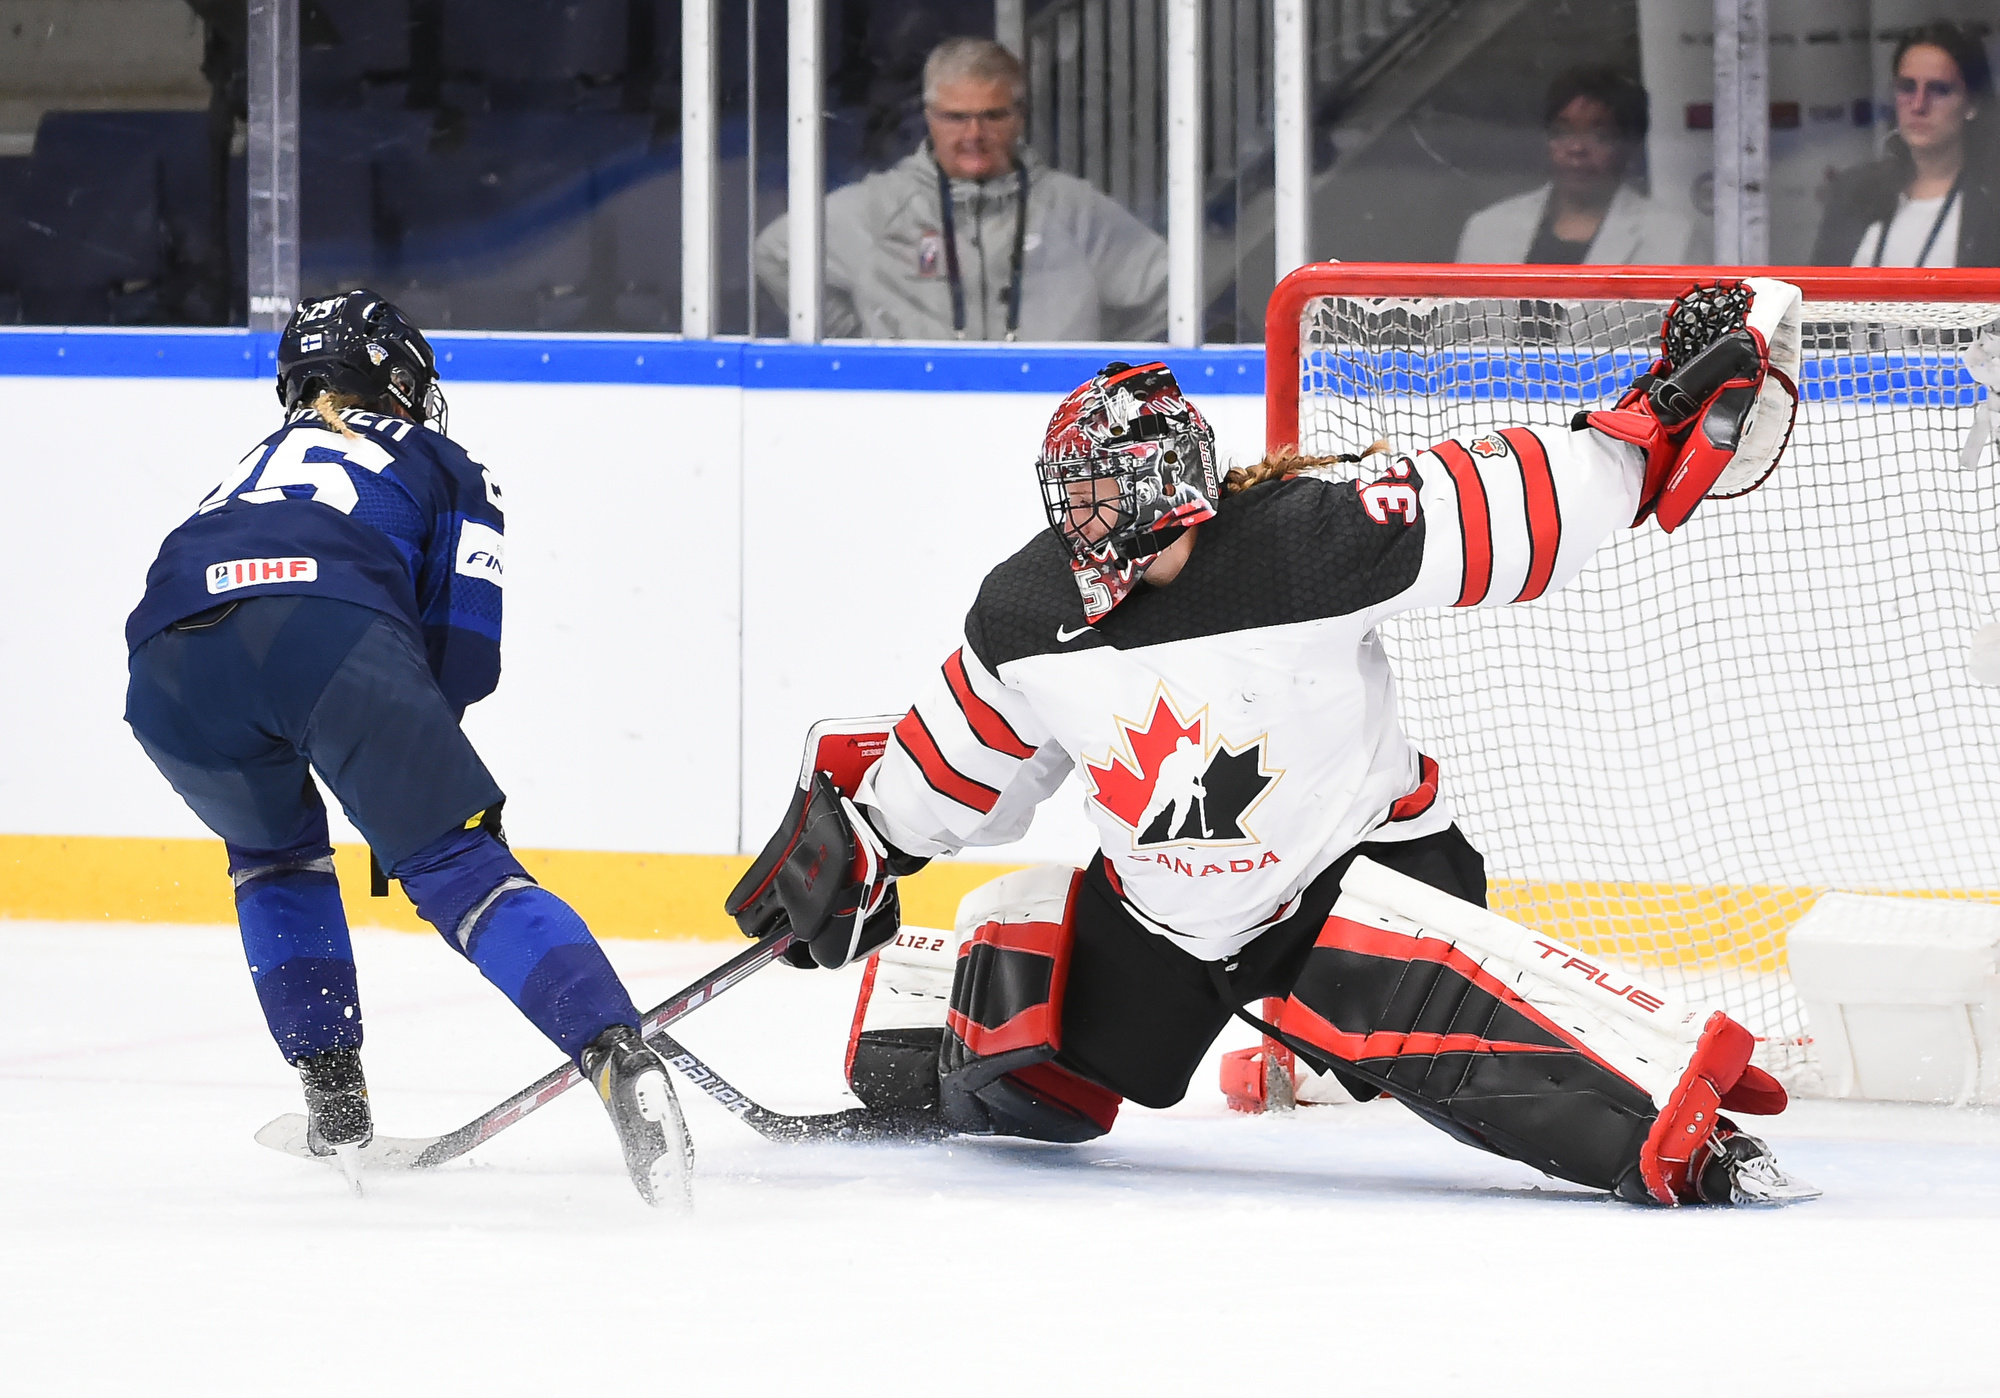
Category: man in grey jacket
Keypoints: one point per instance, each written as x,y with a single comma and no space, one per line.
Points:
903,262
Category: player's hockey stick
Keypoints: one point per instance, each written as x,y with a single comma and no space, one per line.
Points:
288,1132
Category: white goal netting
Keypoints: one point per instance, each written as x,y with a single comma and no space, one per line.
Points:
1668,761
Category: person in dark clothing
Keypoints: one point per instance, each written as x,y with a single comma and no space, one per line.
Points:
334,605
1933,200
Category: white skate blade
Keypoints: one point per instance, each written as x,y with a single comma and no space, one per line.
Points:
670,1175
1280,1094
287,1135
1762,1183
348,1158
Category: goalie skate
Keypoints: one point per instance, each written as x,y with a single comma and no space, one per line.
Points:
1742,1170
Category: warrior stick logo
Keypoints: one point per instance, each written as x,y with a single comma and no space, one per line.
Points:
1174,782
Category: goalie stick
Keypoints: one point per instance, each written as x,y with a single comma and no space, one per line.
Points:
287,1133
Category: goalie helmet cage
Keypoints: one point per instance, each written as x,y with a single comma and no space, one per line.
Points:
1669,760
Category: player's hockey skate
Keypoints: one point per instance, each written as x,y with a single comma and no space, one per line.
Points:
631,1080
338,1122
1741,1170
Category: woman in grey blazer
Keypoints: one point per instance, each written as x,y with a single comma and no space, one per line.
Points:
1596,120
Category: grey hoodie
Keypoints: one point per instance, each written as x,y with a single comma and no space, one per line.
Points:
1090,270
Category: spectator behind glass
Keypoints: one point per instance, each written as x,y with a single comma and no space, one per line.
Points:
905,263
1933,200
1587,212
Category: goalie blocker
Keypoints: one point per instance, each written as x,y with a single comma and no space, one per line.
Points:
826,874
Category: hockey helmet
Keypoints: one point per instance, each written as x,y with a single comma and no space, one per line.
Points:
1127,464
357,343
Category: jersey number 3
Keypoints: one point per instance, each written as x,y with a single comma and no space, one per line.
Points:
259,483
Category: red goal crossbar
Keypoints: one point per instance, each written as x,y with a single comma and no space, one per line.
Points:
1469,282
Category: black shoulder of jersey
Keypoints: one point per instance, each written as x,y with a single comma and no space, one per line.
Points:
1025,603
1286,551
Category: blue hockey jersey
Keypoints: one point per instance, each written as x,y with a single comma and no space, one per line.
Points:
397,518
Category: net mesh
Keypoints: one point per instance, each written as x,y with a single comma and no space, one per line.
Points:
1669,760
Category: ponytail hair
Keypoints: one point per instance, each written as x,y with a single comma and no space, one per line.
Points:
1286,461
329,406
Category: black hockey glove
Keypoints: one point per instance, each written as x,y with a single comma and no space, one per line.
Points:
829,876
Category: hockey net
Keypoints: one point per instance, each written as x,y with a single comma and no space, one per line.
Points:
1668,761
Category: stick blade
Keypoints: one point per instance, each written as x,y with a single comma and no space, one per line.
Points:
287,1135
854,1126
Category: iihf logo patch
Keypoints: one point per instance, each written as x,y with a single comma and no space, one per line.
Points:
253,572
1176,783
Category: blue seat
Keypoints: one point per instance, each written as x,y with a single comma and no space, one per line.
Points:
506,223
14,172
349,232
118,225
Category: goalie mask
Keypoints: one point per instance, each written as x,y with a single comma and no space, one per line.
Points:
360,345
1127,465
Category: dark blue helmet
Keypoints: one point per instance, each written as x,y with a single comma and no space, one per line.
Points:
357,343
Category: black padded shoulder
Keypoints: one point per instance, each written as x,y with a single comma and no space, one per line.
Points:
1025,603
1286,551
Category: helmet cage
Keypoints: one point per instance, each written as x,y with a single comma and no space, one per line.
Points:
1127,501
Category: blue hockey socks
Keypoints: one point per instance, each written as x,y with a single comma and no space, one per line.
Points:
301,961
524,939
536,949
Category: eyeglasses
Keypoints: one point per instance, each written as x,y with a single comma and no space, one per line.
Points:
1601,136
1937,89
992,116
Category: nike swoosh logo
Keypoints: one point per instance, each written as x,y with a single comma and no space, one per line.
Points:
1064,634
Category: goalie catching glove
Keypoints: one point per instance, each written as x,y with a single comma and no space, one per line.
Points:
1715,411
826,873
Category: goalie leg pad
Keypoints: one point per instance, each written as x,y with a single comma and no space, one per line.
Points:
898,1031
1004,1022
1515,1043
1419,1019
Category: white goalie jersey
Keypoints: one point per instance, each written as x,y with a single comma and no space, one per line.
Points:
1236,730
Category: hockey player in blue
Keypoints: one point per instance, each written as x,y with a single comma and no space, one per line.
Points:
335,604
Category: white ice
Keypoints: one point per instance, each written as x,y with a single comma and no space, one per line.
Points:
147,1246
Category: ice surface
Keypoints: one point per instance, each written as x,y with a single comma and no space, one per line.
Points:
147,1246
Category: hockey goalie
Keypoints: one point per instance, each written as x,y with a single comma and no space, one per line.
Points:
1203,653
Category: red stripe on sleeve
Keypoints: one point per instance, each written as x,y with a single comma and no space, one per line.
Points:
1426,794
944,779
1544,518
986,722
1475,524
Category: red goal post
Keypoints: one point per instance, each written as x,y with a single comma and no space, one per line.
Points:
1470,281
1669,761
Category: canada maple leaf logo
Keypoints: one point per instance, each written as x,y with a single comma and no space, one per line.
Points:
1172,782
